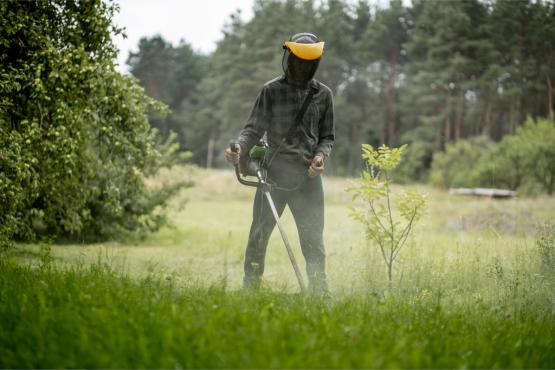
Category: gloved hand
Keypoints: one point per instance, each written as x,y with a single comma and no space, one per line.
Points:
317,166
233,157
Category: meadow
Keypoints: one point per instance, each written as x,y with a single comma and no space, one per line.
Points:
470,290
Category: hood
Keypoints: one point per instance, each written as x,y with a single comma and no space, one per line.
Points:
299,72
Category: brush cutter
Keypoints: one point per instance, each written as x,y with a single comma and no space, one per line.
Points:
257,155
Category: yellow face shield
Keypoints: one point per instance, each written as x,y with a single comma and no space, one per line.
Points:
305,51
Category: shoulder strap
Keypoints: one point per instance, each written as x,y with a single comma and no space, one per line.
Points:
298,119
300,114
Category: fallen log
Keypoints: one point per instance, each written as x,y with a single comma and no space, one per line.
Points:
484,192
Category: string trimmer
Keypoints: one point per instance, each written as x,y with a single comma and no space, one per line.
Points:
257,154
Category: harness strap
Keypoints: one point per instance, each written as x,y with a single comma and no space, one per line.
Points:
300,114
296,123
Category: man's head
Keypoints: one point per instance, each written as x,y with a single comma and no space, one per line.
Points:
301,57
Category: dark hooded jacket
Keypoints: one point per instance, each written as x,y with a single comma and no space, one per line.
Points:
274,112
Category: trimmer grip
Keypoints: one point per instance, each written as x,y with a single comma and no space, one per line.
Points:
233,148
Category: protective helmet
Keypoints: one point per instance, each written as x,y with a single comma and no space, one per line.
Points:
301,58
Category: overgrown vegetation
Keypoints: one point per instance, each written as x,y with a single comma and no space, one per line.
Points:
96,317
546,247
523,161
477,296
388,221
75,143
458,165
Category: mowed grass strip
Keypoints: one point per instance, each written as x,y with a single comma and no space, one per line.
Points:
92,316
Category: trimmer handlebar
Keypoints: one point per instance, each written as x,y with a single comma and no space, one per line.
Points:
233,148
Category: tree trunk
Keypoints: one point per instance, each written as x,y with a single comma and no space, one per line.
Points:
447,129
391,119
353,150
389,274
391,97
512,119
210,152
497,131
549,96
459,117
477,125
517,112
437,138
383,101
487,126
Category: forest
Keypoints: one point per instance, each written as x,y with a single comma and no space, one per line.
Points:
428,73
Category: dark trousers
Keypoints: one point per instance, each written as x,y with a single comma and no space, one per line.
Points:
306,203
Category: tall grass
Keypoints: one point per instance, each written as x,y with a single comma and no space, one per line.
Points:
471,290
94,316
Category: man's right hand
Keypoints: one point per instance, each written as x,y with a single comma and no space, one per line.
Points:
233,157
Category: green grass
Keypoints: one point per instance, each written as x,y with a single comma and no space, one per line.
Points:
469,291
93,316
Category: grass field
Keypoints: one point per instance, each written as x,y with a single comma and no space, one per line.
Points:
469,291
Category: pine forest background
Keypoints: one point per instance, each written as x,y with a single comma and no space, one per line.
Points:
429,73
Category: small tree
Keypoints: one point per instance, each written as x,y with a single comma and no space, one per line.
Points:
386,226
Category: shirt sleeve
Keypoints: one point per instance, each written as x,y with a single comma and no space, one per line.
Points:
257,123
326,135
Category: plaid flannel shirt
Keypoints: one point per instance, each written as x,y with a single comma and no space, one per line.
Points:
274,112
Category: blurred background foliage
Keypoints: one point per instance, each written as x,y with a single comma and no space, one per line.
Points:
434,74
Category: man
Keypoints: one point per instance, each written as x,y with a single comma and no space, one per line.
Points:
300,140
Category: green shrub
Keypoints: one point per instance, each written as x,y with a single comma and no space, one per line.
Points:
75,143
503,165
524,161
415,166
458,165
537,141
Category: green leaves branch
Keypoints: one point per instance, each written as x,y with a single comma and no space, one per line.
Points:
386,226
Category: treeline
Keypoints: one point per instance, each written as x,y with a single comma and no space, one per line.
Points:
431,73
75,143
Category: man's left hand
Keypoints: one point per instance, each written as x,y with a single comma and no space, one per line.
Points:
317,166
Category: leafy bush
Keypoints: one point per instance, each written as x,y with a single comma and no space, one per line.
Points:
503,165
415,166
537,140
524,161
75,144
458,165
